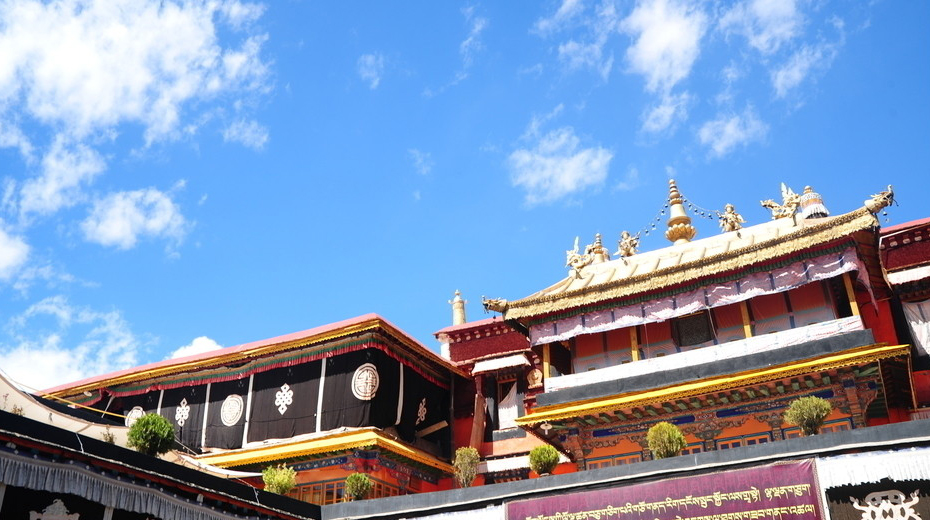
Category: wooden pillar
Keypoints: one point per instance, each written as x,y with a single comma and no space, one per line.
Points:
851,294
634,344
747,325
545,360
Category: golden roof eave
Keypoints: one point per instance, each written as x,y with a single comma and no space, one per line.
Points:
336,442
236,355
860,355
805,237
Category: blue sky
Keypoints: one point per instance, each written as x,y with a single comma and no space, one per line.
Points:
194,174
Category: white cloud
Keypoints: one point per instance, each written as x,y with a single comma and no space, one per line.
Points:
766,24
567,12
800,65
199,345
472,44
13,137
248,133
66,168
85,66
468,49
727,132
668,35
120,219
370,68
240,14
102,342
557,166
587,51
537,121
13,254
672,109
422,161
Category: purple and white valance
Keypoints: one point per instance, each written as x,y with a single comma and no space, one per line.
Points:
777,280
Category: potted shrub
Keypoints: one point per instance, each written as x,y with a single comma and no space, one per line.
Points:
465,465
358,485
665,440
808,413
279,479
543,459
151,434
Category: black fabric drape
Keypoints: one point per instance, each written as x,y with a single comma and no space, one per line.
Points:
341,407
183,407
20,502
219,434
425,404
147,401
294,412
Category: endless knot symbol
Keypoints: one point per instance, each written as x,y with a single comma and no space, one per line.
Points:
365,382
182,413
421,411
284,398
231,411
133,415
891,505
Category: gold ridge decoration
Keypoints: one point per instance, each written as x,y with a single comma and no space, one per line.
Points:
680,230
790,201
880,200
593,254
730,220
628,244
804,237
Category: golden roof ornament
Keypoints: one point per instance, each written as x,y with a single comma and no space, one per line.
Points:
880,200
730,220
598,252
628,244
789,204
812,204
680,230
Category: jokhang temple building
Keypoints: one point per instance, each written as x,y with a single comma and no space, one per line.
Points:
716,335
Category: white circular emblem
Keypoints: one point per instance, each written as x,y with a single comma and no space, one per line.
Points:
133,415
231,411
365,382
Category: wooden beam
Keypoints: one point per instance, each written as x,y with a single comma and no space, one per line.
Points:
695,403
744,312
477,424
681,405
851,294
634,344
607,418
545,360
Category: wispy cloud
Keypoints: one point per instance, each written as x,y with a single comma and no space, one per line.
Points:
121,219
667,43
468,50
766,24
66,168
73,343
422,161
370,68
247,133
728,131
800,65
587,50
557,166
630,180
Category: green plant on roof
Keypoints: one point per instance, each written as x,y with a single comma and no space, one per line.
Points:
665,440
358,485
151,434
465,465
279,479
543,459
808,413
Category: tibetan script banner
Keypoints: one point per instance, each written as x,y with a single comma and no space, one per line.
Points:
774,492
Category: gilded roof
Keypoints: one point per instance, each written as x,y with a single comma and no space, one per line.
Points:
677,264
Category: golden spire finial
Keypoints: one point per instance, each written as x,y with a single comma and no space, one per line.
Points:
680,230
